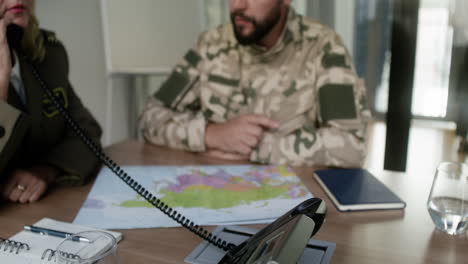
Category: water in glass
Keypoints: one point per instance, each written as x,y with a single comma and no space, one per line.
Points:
448,199
449,214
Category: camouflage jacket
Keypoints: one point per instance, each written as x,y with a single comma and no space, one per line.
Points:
306,82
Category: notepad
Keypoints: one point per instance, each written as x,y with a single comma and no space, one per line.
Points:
357,189
27,247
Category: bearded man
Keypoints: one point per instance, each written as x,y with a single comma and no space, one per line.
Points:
270,87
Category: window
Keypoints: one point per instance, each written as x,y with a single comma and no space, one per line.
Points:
433,54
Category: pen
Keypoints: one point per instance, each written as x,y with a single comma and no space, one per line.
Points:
46,231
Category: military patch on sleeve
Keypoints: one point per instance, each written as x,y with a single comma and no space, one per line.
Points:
175,86
330,60
192,58
48,107
337,102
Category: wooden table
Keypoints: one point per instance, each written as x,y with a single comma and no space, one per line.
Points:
396,236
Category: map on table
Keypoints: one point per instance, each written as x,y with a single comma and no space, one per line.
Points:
207,195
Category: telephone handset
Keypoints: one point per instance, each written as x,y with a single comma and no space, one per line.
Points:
308,216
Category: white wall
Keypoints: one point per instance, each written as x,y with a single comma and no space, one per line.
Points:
140,40
122,125
78,26
149,35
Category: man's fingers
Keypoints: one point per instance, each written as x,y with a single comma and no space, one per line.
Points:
242,149
250,141
226,155
239,135
232,156
263,121
254,130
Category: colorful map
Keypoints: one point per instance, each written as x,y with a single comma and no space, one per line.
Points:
208,195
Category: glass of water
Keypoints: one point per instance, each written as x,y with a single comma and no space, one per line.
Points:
448,200
88,247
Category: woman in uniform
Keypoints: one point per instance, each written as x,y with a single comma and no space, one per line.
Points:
37,148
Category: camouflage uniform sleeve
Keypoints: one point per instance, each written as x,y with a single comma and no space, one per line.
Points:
332,131
172,116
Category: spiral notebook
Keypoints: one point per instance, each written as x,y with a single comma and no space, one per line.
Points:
27,247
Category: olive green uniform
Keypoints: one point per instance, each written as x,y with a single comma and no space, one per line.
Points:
35,132
306,82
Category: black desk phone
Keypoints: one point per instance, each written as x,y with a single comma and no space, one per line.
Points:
279,242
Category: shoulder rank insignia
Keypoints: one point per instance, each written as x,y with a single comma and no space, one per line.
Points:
51,38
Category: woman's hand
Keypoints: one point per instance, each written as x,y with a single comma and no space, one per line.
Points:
28,185
5,56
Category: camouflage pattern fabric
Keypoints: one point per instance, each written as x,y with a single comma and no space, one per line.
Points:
306,82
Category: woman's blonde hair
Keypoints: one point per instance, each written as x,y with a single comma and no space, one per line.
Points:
33,40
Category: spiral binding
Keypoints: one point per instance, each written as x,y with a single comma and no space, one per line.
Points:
12,245
49,254
173,214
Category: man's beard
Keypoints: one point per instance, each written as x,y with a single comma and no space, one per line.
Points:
260,29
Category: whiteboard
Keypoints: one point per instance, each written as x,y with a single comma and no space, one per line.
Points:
149,36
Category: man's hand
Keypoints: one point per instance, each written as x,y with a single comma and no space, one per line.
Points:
28,185
238,136
219,154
